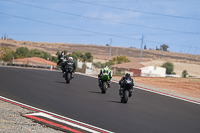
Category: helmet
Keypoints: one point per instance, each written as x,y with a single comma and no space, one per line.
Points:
70,58
62,53
127,76
106,67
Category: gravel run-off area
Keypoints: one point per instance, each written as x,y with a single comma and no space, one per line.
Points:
11,121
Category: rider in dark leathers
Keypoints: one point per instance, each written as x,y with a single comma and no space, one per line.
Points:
70,64
123,84
62,58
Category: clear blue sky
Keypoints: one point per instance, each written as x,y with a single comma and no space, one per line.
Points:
175,23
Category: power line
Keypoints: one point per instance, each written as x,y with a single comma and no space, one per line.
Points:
170,44
68,27
135,25
90,31
158,14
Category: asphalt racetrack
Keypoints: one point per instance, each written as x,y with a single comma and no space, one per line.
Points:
145,112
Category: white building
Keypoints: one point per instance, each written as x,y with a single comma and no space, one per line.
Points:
88,68
153,71
79,63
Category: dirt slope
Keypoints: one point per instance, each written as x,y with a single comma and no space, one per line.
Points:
188,62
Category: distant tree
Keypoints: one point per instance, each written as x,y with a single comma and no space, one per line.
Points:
54,59
169,67
157,48
101,65
88,56
57,53
97,64
46,56
40,53
145,47
65,51
121,59
21,52
184,73
83,56
36,53
164,47
2,37
6,54
78,54
107,45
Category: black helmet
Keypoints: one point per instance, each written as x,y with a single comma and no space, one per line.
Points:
128,76
62,53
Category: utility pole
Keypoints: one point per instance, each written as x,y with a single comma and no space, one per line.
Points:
115,61
141,48
13,60
110,48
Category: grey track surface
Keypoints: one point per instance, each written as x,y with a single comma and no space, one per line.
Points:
81,100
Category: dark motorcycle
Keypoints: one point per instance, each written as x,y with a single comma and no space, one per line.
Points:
125,92
68,74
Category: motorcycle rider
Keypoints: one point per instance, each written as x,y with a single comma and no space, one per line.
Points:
103,71
123,84
70,64
62,58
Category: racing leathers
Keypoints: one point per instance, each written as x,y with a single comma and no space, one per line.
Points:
124,84
70,64
104,71
62,58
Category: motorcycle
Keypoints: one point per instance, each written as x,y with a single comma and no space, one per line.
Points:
104,83
125,92
68,74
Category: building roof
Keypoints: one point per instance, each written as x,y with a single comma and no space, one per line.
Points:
35,60
128,65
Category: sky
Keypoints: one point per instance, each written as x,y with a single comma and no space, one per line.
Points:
121,23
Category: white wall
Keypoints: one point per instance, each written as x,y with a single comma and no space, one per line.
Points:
88,68
153,71
79,63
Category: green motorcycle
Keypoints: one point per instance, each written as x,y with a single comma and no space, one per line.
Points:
104,83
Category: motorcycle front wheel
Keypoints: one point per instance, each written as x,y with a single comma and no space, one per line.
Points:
125,97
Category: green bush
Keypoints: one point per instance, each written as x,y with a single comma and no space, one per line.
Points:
169,67
6,54
184,74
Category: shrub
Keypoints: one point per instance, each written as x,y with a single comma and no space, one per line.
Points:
169,67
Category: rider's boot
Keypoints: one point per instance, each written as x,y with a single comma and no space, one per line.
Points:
121,92
72,75
109,83
63,74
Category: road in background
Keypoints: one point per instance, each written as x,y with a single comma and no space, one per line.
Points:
81,100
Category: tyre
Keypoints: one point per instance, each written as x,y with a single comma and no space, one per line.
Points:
68,77
122,100
104,88
126,94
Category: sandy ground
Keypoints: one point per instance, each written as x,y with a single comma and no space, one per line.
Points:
192,69
183,87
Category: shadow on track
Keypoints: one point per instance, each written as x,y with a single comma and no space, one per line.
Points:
95,92
60,82
115,101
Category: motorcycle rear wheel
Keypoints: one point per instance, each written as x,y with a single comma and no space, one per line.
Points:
68,77
104,88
